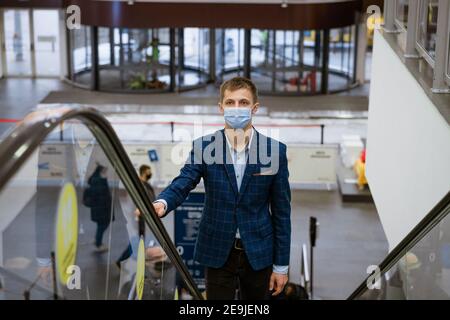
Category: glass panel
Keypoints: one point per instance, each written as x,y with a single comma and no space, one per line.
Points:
391,285
229,53
341,62
259,44
164,45
111,57
81,55
17,42
428,265
195,65
234,48
423,272
286,61
282,62
401,13
260,59
428,14
46,39
196,48
105,56
139,61
309,44
72,204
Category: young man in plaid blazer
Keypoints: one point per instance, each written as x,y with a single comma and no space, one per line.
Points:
245,231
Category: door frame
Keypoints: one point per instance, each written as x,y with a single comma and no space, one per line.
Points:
3,63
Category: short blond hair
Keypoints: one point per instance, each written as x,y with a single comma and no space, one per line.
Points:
237,83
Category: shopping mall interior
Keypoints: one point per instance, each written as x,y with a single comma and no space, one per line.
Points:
358,90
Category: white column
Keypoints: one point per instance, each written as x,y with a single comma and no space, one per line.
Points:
442,43
362,51
411,34
389,16
32,44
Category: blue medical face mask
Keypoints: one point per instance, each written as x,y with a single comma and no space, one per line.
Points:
237,118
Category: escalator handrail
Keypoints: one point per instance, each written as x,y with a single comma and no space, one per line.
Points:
29,133
414,236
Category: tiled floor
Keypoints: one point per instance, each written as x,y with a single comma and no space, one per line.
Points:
19,96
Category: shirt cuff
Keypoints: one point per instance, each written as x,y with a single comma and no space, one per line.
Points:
164,202
280,269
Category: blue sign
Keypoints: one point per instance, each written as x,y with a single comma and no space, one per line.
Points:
153,156
187,222
44,166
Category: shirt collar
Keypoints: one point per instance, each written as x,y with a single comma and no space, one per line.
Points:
248,144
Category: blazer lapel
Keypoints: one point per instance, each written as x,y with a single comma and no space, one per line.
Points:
228,164
253,164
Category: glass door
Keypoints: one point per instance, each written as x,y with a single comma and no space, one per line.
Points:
17,42
32,43
46,42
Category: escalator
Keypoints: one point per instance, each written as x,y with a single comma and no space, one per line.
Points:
54,244
418,268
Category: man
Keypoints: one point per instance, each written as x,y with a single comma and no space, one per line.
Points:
145,174
154,253
245,230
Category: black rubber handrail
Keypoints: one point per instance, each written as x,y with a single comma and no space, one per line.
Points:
20,144
416,234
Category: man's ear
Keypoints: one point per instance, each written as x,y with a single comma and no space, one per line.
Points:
220,108
255,108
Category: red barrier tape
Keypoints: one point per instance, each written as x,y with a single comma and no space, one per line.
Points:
9,120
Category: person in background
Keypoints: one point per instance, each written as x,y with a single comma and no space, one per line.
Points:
145,174
101,208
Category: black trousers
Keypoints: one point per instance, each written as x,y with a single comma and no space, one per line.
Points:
101,228
237,273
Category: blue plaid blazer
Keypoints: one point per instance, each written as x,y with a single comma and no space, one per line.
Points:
260,208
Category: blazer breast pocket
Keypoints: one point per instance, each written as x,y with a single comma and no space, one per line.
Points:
264,172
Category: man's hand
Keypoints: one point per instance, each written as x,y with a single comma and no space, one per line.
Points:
159,208
155,254
277,282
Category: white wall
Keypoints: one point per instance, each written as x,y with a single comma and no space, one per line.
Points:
408,150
